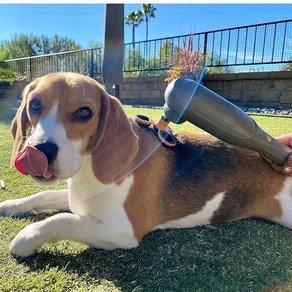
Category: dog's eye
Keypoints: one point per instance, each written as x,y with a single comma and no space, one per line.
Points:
83,114
35,106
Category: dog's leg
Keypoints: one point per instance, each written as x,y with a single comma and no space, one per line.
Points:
83,229
43,200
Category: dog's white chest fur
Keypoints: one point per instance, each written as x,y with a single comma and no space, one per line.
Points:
87,196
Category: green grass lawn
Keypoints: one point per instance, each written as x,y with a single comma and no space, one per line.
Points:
248,255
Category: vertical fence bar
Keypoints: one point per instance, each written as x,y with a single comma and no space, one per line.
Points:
264,44
212,56
30,68
228,46
139,61
149,52
91,63
254,43
245,44
284,41
220,49
274,40
154,64
205,49
237,43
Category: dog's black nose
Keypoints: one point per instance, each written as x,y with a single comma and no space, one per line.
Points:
49,149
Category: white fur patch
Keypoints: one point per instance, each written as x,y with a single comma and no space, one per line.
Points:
202,217
46,128
68,160
285,199
104,202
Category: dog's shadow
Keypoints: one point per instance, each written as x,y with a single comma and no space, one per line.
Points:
201,259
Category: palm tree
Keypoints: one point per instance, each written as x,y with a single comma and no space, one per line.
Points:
134,18
147,11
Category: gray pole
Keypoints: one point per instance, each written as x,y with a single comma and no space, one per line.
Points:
113,54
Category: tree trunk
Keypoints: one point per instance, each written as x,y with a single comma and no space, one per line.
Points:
133,36
146,29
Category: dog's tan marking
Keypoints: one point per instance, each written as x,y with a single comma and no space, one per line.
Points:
146,211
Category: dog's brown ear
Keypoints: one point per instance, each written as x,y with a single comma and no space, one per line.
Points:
116,143
19,127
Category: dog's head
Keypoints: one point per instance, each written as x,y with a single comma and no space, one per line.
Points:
67,117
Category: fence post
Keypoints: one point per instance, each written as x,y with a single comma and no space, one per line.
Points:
205,48
91,71
30,68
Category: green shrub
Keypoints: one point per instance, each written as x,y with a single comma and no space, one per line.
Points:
6,74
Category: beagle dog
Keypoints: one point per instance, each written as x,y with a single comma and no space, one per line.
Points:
122,183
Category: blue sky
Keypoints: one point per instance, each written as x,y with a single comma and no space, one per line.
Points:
85,22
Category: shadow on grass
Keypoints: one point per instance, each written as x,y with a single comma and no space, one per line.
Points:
243,256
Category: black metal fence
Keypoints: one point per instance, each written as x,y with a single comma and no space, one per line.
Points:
261,47
87,62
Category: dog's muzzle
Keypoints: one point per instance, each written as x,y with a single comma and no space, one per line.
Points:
49,149
35,160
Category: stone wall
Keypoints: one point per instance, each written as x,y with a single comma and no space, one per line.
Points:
272,89
4,87
7,91
142,90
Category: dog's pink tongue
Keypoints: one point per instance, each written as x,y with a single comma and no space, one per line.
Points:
32,161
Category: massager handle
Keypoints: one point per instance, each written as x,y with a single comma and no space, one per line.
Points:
188,100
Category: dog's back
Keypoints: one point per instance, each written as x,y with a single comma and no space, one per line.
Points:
203,180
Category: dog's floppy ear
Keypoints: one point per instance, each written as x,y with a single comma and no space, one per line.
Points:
19,127
116,144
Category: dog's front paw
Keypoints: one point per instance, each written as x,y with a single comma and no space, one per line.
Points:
11,207
27,241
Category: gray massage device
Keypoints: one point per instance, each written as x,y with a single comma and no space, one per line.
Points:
187,100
